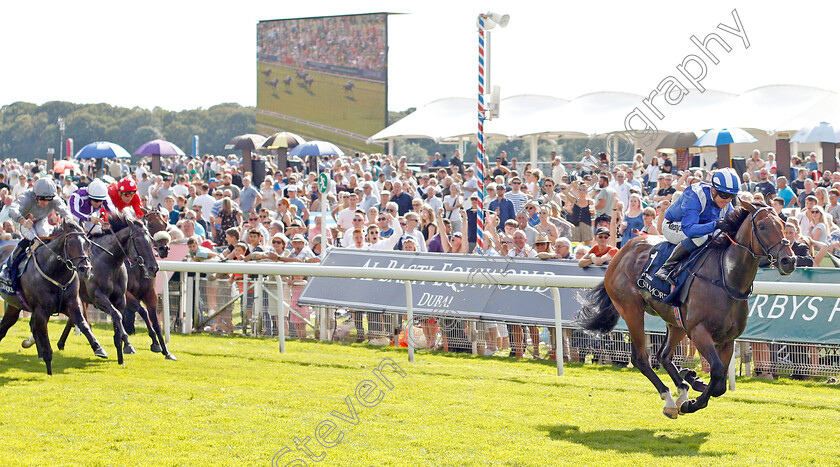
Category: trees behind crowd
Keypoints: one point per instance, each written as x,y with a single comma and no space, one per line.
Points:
28,130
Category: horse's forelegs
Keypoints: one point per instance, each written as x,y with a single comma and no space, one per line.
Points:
135,304
74,311
706,346
725,353
113,309
38,325
690,377
151,318
64,335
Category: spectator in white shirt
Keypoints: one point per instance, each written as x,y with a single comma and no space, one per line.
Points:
412,222
516,196
621,187
377,243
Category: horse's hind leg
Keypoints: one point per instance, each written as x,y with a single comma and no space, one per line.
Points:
717,384
9,319
38,325
74,312
665,355
633,315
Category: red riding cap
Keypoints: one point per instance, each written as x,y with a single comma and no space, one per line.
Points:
126,184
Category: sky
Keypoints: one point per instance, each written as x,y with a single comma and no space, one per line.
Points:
186,54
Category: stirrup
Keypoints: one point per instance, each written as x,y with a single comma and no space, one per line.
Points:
664,275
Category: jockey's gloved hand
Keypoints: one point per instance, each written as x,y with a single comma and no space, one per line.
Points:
720,224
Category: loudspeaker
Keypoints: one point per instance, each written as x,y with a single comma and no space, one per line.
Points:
258,168
695,161
740,166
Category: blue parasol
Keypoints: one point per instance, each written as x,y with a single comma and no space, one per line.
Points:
316,148
102,150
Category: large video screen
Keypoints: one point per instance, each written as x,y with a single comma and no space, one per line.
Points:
324,78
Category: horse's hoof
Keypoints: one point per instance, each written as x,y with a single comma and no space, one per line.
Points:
27,343
686,373
169,356
101,353
671,412
156,348
129,349
687,407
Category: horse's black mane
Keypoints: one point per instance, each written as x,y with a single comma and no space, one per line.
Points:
734,218
72,226
118,221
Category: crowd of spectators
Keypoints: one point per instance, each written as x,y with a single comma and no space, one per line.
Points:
355,41
582,211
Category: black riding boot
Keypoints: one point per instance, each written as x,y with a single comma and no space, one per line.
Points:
664,272
15,259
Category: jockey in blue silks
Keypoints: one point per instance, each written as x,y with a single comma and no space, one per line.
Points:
87,205
692,219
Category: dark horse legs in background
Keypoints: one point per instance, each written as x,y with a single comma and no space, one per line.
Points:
713,315
142,288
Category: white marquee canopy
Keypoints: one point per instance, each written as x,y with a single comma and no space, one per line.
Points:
768,109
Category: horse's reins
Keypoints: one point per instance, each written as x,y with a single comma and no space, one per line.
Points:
734,294
139,262
766,250
68,263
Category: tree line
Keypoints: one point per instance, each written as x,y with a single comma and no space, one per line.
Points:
28,130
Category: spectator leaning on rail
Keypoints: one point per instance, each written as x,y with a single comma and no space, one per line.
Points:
602,252
89,204
695,215
31,210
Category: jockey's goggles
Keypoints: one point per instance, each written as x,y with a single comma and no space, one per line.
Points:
725,195
128,193
44,198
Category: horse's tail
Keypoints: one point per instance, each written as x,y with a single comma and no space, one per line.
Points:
597,312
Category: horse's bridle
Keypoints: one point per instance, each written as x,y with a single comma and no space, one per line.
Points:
766,251
68,262
132,262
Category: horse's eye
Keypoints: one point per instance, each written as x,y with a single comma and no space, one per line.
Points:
761,227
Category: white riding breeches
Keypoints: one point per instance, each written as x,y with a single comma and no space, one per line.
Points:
674,234
41,227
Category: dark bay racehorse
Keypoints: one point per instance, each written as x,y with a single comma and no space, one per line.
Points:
142,288
713,314
274,82
50,284
127,239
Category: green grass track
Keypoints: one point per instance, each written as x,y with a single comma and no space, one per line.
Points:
237,401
